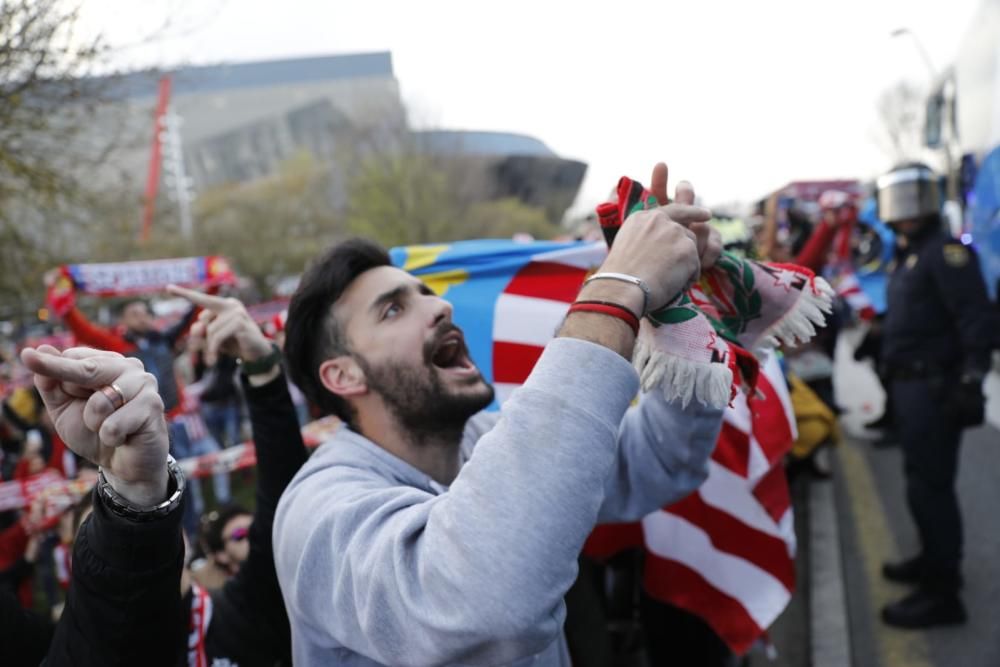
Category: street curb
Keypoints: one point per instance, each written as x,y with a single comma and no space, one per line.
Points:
830,639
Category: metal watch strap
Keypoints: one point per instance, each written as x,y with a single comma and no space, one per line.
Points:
119,505
262,365
625,278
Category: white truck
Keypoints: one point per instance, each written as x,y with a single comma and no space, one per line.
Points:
962,132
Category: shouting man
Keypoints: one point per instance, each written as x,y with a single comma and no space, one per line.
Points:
428,532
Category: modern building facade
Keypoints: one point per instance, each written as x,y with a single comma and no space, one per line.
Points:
239,122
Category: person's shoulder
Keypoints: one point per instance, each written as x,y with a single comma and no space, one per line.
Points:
950,253
332,475
208,575
344,461
337,455
347,480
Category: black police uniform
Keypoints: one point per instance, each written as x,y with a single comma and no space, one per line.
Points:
936,348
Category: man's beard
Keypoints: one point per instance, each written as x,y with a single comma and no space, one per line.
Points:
421,403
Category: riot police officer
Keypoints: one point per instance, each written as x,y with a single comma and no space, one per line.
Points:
936,346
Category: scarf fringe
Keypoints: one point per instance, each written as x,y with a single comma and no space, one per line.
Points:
681,379
799,324
711,383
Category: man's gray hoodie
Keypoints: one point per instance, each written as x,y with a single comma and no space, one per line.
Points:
380,565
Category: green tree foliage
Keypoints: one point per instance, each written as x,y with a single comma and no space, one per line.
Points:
409,197
503,218
400,200
271,228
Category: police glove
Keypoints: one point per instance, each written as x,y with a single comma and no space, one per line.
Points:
967,404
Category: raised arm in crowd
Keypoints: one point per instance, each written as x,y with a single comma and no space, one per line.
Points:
428,533
125,604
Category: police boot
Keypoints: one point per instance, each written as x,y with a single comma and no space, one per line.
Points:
909,571
935,602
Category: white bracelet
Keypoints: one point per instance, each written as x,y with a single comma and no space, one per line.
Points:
625,278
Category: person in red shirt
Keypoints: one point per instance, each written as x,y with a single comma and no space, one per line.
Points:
139,338
838,211
19,550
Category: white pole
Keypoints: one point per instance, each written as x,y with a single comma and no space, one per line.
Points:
174,150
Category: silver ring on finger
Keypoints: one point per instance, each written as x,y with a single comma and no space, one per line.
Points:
114,394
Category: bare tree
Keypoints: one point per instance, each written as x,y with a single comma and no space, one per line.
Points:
41,64
900,112
49,92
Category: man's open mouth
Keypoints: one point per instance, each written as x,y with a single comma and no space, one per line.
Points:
451,353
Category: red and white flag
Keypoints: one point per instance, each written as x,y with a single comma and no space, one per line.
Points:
725,553
844,277
849,289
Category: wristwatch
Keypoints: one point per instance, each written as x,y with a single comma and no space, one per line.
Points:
262,365
124,508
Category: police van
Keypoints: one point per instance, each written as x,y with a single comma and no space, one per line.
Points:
962,131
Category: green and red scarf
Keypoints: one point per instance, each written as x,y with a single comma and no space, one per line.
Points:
702,346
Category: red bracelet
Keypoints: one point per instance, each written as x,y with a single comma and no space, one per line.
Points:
608,308
628,310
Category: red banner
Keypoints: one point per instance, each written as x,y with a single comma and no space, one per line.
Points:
141,277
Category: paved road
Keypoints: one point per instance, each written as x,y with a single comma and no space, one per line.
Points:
866,502
875,525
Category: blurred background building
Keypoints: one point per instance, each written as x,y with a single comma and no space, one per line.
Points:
237,123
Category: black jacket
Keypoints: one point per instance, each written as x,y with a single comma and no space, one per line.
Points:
124,605
24,635
249,625
221,386
939,314
156,350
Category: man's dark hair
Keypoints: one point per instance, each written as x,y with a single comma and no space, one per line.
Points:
213,523
312,333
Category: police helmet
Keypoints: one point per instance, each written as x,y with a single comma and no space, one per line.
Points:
908,192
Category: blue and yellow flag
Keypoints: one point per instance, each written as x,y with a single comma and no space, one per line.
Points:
509,297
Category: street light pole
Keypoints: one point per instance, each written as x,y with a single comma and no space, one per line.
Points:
899,32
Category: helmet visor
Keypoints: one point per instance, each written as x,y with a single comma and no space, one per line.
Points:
908,194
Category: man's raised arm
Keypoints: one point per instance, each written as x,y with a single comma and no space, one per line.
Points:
124,598
406,575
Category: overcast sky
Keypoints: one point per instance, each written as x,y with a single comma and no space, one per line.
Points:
737,96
